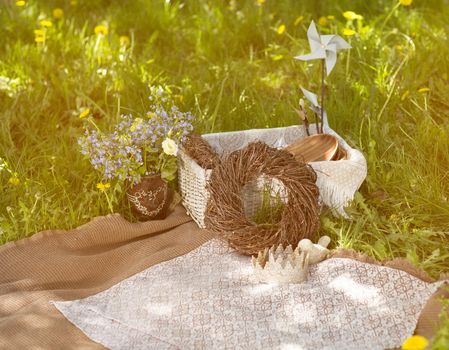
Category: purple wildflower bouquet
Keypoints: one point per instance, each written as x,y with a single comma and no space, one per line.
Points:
139,146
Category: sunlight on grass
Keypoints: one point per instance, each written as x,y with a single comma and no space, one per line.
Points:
229,62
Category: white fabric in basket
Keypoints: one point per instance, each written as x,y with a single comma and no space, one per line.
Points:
337,180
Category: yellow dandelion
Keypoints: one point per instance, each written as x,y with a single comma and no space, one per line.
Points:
20,3
423,90
45,23
331,17
351,15
281,29
39,35
405,95
124,41
84,113
298,20
103,186
405,2
14,180
58,13
322,21
349,32
39,32
415,342
101,29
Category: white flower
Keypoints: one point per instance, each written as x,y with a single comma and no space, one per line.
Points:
170,147
102,72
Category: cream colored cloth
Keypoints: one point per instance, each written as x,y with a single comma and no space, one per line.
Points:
209,299
66,265
337,180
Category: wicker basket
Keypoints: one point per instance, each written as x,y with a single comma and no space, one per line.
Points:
337,180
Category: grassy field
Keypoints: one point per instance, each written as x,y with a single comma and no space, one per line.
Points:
230,63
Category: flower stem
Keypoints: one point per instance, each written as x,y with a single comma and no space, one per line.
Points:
90,120
389,15
322,96
111,209
348,58
96,48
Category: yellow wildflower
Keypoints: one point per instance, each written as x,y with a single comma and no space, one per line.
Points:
58,13
20,3
405,2
281,29
39,35
84,113
39,32
101,29
415,342
260,2
404,95
298,20
331,17
351,15
103,186
14,180
45,23
322,21
423,90
124,41
349,32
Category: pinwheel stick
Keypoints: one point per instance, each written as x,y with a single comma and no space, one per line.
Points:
303,115
322,96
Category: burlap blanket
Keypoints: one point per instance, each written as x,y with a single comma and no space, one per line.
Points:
67,265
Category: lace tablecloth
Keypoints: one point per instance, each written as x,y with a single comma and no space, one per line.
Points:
208,299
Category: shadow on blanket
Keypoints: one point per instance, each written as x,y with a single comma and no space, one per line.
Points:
67,265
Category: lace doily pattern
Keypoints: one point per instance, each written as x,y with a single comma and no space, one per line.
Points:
209,299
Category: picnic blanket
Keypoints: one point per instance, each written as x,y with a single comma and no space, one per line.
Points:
68,265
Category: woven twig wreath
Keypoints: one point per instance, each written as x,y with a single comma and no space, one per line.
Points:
201,151
225,209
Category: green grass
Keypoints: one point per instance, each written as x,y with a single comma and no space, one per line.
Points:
226,62
441,341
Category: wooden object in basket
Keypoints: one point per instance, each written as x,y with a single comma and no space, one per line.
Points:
341,154
314,148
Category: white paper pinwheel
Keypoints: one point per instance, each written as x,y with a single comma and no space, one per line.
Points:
314,105
323,47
